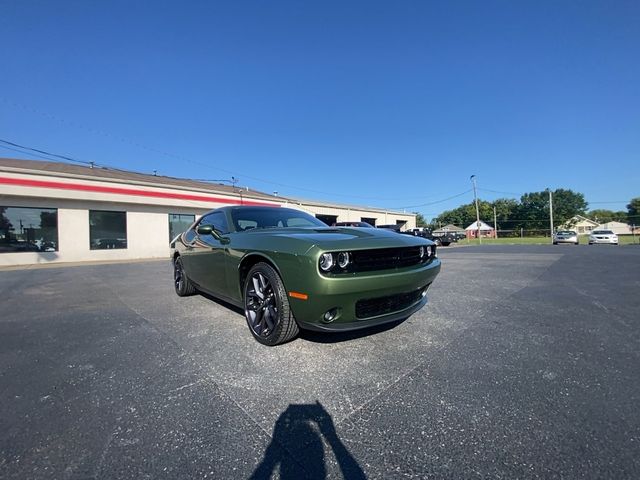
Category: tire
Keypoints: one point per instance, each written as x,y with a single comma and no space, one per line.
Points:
181,282
555,243
266,307
438,242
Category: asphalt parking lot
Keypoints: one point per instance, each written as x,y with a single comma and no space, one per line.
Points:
525,364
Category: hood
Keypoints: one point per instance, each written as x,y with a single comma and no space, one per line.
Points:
344,238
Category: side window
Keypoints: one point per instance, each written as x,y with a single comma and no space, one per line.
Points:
217,220
190,236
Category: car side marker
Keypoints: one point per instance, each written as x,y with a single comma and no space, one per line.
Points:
301,296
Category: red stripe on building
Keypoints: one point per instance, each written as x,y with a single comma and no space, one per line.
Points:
22,182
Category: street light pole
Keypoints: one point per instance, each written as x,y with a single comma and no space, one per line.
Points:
551,213
475,196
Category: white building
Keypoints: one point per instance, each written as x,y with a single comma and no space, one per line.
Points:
579,224
55,212
485,230
618,228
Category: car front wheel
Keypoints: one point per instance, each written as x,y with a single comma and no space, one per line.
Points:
181,282
266,306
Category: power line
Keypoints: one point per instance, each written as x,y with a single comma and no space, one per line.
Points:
498,191
432,203
62,157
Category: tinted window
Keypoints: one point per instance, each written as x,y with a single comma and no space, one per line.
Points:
107,230
270,217
179,223
217,220
24,229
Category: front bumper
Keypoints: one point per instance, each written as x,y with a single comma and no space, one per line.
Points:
398,294
604,240
566,240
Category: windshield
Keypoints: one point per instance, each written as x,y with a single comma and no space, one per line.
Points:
602,232
247,218
566,232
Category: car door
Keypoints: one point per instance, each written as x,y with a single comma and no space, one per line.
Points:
207,259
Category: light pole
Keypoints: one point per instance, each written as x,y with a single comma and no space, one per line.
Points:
551,214
475,196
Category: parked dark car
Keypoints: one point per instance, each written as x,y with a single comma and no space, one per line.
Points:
288,270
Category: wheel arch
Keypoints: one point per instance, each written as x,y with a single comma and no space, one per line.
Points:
247,264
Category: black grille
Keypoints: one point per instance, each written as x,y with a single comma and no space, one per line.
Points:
382,305
385,258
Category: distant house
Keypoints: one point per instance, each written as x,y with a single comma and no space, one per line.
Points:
485,230
618,228
579,224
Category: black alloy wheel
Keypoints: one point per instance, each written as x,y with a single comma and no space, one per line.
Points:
266,306
181,282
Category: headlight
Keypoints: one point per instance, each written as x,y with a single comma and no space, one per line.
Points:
326,262
343,259
428,250
422,250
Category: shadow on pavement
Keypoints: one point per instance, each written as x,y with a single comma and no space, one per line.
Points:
299,433
336,337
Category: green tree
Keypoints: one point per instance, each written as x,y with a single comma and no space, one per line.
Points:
567,204
420,220
465,215
533,211
461,216
506,209
633,208
602,215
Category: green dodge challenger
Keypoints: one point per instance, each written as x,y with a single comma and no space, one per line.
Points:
288,270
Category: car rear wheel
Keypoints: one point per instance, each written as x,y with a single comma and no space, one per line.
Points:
181,282
266,306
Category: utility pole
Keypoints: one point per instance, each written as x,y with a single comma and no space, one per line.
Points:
495,223
551,213
475,196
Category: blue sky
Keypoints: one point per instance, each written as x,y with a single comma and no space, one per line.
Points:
386,104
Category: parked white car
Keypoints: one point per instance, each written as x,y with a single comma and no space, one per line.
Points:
565,236
603,236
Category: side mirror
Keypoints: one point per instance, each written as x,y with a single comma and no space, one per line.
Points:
208,230
205,230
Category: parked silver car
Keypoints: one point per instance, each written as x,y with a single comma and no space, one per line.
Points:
566,236
603,236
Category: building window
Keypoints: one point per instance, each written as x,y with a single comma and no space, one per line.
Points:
370,221
26,229
107,229
328,219
179,223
